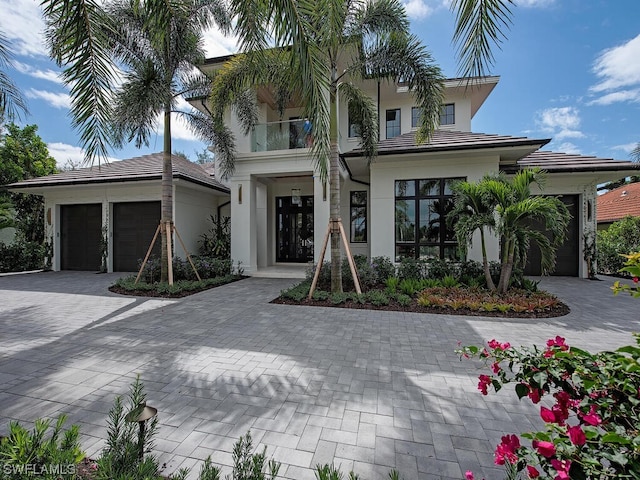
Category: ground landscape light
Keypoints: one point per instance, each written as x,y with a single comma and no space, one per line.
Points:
141,414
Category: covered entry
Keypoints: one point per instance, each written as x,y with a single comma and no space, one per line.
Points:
134,224
80,233
567,254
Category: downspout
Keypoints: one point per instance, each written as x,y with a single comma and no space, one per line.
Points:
379,110
220,207
346,167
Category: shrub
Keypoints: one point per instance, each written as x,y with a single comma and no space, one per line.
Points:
439,268
383,268
621,237
392,284
411,268
592,429
30,455
22,255
216,242
632,267
378,298
208,267
297,293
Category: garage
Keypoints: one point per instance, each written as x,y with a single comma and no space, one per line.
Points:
134,225
567,254
80,232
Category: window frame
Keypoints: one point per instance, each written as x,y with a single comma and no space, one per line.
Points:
448,117
386,123
352,206
415,119
414,199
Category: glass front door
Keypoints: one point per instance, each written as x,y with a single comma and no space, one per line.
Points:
294,229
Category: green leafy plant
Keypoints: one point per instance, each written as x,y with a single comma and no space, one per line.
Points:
252,466
449,281
620,238
378,298
632,267
383,268
216,242
35,454
392,284
592,430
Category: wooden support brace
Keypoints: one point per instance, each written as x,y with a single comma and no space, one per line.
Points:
316,275
352,265
175,229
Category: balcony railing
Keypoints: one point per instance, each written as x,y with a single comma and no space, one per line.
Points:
286,135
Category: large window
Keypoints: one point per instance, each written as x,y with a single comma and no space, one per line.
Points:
393,123
421,209
354,128
358,213
448,114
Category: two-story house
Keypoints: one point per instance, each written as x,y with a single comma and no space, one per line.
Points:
394,206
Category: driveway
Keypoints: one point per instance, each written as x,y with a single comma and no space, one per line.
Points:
367,390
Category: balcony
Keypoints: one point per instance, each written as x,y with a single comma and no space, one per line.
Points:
287,135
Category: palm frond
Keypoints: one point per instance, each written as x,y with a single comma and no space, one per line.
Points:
379,17
77,35
363,112
480,26
12,103
635,153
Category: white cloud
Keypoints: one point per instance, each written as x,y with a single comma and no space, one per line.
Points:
23,25
64,153
568,147
626,148
561,122
617,97
48,74
56,100
417,9
216,44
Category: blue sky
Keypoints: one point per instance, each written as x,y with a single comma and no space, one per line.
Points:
570,70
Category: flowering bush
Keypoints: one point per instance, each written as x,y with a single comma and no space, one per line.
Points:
592,430
632,267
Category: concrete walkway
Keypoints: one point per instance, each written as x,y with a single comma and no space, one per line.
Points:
366,390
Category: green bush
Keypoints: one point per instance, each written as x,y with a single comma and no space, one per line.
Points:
29,455
622,237
383,268
297,293
22,256
208,267
216,242
411,268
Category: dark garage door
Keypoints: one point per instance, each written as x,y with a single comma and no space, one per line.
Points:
134,225
567,253
80,231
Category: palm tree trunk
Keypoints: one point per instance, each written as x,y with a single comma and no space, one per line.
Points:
507,267
503,267
334,199
167,196
485,263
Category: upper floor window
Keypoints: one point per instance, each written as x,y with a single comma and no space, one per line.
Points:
393,123
416,112
354,128
448,114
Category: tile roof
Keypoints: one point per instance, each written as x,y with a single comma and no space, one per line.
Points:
146,167
554,162
619,203
443,140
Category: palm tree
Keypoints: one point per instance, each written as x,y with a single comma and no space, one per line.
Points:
159,63
472,210
635,153
515,209
12,103
157,45
351,42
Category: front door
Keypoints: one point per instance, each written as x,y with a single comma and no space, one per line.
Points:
294,229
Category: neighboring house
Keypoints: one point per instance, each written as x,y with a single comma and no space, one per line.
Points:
618,203
396,205
124,197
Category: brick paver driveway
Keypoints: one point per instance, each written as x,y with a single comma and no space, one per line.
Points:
366,390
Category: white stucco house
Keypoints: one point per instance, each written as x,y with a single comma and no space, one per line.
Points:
394,206
124,198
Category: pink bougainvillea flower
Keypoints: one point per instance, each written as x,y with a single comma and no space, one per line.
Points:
506,450
468,475
535,394
485,381
558,342
496,367
592,418
547,415
544,448
635,279
562,468
494,344
576,435
533,473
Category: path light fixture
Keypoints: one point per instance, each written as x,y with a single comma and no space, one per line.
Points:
141,414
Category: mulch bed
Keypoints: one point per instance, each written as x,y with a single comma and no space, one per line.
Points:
558,311
152,293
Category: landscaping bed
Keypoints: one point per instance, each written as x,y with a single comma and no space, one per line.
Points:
180,288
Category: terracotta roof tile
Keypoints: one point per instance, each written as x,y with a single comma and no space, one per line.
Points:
619,203
146,167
